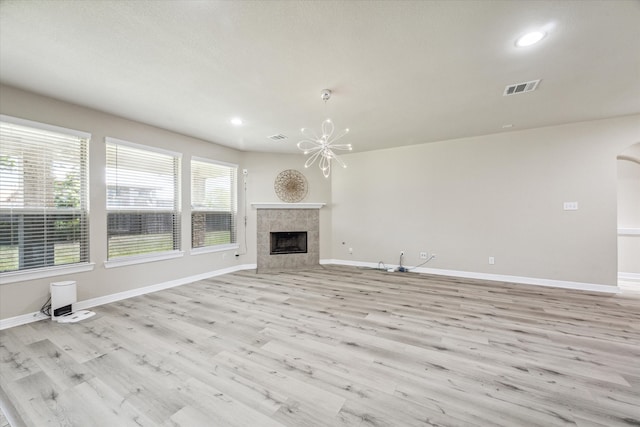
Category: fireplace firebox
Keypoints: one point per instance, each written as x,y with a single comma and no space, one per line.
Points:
288,242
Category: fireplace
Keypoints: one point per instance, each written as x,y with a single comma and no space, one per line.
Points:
288,242
288,236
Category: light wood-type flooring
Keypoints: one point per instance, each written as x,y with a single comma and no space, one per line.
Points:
333,346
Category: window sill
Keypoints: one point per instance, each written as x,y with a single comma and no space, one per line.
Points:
41,273
142,259
216,248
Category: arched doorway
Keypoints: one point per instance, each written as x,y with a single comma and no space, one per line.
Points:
629,218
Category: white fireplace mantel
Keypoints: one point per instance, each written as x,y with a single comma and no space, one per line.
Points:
277,205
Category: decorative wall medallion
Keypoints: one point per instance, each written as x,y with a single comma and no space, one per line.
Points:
291,186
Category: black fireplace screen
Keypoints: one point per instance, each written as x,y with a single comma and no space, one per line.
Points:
289,242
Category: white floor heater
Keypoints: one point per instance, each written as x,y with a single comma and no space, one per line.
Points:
63,297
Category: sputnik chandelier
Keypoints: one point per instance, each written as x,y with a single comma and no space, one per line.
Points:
322,147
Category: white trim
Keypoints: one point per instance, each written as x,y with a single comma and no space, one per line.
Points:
629,277
94,302
214,162
142,259
44,126
41,273
351,263
276,205
214,248
591,287
116,141
628,231
22,320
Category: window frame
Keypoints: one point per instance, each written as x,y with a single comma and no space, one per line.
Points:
83,212
233,208
176,211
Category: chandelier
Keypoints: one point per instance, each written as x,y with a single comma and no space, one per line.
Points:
321,148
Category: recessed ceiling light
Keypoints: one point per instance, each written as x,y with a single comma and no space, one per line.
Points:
530,38
236,121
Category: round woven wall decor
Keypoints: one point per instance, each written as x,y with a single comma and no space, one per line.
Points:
291,186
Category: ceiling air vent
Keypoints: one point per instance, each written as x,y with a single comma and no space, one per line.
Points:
277,137
521,87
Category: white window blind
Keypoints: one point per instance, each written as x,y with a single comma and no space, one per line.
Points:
213,203
143,202
44,212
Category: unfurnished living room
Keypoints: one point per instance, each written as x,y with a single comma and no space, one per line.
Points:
319,213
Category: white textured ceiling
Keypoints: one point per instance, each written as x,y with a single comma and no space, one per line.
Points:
402,72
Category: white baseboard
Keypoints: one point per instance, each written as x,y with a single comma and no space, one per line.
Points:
10,322
591,287
94,302
629,277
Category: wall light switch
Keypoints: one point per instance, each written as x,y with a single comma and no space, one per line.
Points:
492,260
570,206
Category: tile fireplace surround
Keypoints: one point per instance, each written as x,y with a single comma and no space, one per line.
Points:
275,217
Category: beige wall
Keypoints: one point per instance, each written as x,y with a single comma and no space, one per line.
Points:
28,296
496,196
629,209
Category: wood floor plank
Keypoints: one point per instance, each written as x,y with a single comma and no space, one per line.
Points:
34,398
222,409
15,359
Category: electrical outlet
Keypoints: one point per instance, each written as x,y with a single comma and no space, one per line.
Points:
351,250
423,255
401,253
492,260
433,256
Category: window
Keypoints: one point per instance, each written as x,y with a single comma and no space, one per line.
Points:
213,204
44,214
143,203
